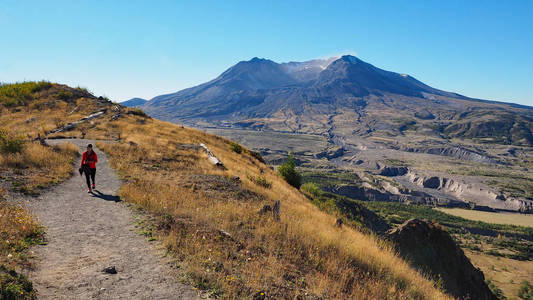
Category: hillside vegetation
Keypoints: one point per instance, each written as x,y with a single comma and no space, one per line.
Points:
212,222
216,221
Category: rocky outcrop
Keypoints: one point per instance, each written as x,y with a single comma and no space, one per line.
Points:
330,153
406,196
432,250
471,192
451,151
211,157
393,171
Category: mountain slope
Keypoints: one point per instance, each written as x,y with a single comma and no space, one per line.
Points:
134,102
210,219
325,96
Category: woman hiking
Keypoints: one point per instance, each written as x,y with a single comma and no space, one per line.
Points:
88,166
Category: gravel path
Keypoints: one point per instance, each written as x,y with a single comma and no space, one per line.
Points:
89,232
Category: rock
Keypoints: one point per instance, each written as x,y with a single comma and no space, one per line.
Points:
432,182
211,157
225,234
116,116
276,210
394,171
265,209
110,270
432,250
330,153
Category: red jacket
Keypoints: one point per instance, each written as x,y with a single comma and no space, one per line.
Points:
91,160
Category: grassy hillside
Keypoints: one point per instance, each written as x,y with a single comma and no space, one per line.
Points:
492,126
209,217
27,167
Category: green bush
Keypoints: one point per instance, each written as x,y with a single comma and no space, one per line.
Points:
14,286
64,95
14,94
235,147
526,291
40,86
257,156
311,189
260,180
10,143
138,112
83,90
289,173
494,289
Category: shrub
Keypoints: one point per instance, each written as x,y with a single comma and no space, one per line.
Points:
41,86
83,90
10,143
526,291
257,156
22,231
14,285
289,173
260,180
494,289
138,112
64,95
20,93
494,252
235,147
311,189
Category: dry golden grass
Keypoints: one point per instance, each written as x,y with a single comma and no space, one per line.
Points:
211,222
302,254
506,273
28,171
491,217
38,166
18,230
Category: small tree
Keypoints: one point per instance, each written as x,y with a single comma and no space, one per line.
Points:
288,171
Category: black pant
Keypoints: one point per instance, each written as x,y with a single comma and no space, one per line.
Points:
90,173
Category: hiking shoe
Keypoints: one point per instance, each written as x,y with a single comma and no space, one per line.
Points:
89,191
93,186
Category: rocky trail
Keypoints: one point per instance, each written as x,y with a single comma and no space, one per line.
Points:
87,233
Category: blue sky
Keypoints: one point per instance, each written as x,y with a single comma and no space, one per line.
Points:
125,49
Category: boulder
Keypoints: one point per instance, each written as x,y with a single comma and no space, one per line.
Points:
432,250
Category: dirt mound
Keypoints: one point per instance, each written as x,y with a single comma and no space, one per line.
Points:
432,250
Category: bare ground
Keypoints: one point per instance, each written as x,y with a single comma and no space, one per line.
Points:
89,232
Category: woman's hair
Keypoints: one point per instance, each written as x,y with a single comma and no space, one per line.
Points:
90,146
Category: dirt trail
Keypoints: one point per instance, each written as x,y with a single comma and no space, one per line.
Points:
88,232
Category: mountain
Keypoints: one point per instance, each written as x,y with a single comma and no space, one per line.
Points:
328,96
218,218
366,118
134,102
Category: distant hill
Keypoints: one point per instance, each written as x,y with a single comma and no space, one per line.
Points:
134,102
329,96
